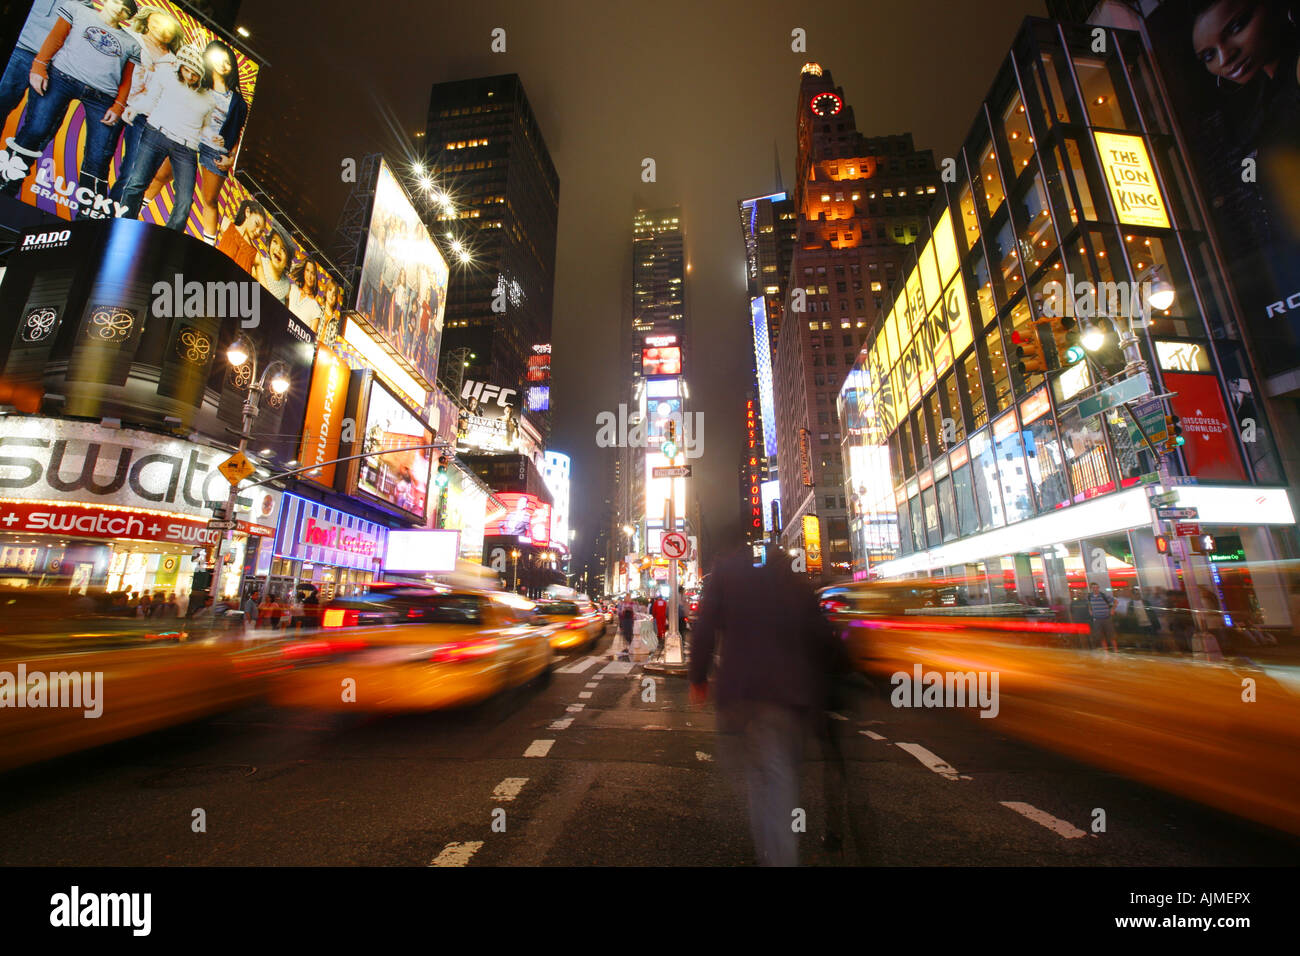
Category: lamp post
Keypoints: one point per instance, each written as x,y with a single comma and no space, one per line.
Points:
243,353
514,569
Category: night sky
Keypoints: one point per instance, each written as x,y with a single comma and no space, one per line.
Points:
705,88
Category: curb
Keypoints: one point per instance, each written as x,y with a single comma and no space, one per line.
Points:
669,670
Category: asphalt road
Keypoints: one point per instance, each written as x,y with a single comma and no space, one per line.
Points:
605,766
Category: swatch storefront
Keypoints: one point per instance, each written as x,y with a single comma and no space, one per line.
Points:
92,508
336,552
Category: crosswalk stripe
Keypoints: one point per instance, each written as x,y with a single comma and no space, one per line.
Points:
457,854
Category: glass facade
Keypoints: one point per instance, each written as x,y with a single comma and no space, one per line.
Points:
1061,184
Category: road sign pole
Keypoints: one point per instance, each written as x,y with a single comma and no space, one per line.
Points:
672,638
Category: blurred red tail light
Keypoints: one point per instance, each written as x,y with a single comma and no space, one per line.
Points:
464,651
339,617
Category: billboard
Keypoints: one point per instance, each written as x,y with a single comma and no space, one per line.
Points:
73,156
522,517
399,479
324,424
661,360
124,320
556,473
402,292
423,552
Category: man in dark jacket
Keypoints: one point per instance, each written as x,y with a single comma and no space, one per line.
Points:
772,684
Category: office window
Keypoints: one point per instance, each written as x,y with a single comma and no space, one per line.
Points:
974,386
984,474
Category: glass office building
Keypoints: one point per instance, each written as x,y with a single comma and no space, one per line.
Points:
967,460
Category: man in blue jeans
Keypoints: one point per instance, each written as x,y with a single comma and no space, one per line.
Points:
87,57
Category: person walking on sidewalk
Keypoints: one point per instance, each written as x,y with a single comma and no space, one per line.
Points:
772,684
1100,607
626,620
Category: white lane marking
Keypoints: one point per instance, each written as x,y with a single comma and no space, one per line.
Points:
574,708
872,734
617,667
457,854
509,788
597,676
931,761
560,724
835,716
590,684
583,695
539,748
578,666
701,755
1056,825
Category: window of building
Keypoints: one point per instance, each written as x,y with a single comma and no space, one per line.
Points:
984,478
1000,397
973,385
1016,497
1045,459
964,491
1079,176
1014,136
952,424
1105,94
1086,457
991,182
947,508
1033,221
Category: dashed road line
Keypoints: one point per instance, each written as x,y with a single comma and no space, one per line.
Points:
578,666
574,708
562,724
590,684
933,762
702,756
1062,827
834,716
539,748
457,854
583,695
872,734
509,788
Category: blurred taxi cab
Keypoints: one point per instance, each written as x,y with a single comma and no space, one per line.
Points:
75,675
1222,730
407,647
579,623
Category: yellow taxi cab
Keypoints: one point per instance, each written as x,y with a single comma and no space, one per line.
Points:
74,675
412,647
579,623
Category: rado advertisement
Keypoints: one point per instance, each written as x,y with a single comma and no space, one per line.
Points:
121,319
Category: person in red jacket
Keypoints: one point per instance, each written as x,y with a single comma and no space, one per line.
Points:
659,611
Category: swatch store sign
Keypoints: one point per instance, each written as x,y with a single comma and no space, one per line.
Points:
80,479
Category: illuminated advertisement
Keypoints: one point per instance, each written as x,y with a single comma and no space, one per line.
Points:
661,360
401,478
128,321
540,526
422,552
1132,181
658,489
754,496
660,411
70,151
465,512
556,474
402,291
763,368
311,532
770,491
661,388
812,543
1209,445
539,366
539,398
520,517
324,424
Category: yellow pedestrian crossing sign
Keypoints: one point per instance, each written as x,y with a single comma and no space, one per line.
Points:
236,468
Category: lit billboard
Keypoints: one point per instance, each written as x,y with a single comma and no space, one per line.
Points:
400,478
556,473
661,360
422,552
763,373
73,157
526,517
402,290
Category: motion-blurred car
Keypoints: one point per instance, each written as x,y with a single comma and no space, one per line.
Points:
408,647
579,623
87,677
1221,730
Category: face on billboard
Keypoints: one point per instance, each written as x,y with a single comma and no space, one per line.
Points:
402,291
400,478
665,360
74,156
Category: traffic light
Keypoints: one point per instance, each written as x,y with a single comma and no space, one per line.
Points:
441,478
1162,544
1173,432
1028,353
1069,347
669,447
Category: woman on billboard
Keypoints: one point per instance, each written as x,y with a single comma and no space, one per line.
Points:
179,106
87,56
160,36
273,268
302,293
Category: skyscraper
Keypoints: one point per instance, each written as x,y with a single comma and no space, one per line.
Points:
861,202
486,156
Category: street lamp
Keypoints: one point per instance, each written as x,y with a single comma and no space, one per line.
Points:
514,569
242,352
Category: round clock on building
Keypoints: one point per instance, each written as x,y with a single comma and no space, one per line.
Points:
826,104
